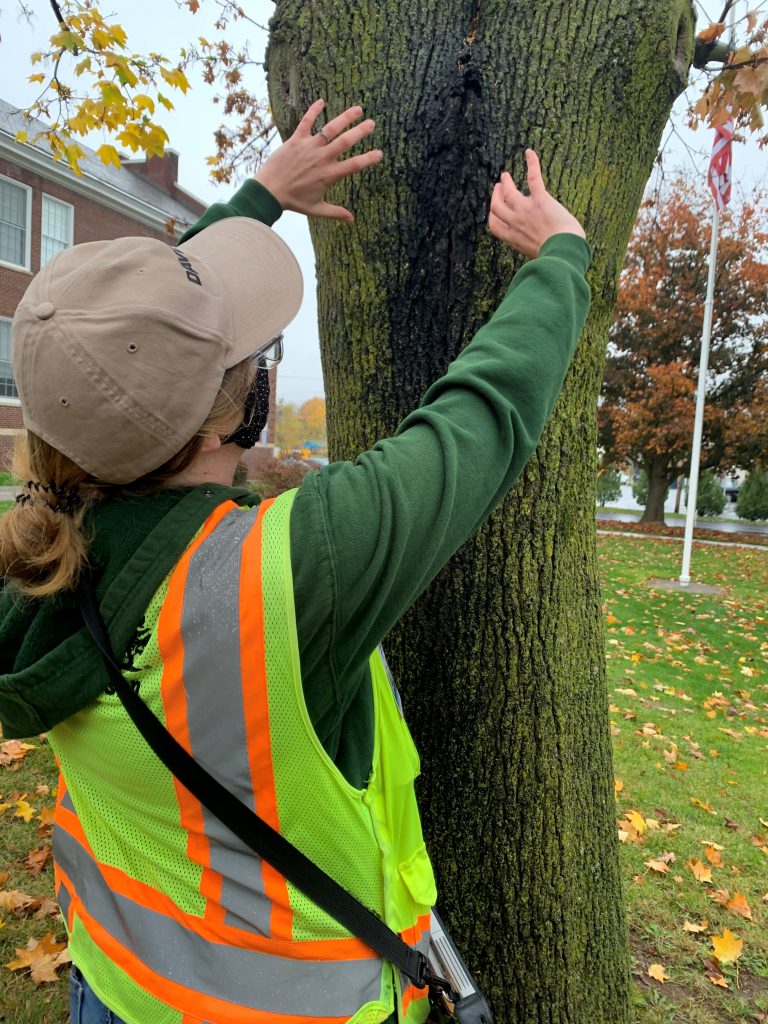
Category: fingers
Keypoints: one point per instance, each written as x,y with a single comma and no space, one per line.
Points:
354,164
348,139
308,120
331,212
341,122
510,193
535,180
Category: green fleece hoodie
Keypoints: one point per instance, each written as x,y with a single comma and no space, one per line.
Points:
366,537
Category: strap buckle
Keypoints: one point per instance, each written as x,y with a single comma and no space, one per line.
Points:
425,978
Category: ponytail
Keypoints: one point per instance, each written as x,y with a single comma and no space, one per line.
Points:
44,540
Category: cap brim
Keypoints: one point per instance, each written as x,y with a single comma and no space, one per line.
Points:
260,276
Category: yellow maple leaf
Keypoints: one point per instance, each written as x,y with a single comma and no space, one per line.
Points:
108,155
636,820
24,810
657,972
727,946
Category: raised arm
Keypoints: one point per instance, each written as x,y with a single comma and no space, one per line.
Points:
384,526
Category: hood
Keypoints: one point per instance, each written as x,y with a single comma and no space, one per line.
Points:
49,666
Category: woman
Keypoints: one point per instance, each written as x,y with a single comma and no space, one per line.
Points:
249,628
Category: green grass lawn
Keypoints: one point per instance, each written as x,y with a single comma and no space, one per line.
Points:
688,679
688,690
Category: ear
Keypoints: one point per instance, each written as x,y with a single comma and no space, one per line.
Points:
210,443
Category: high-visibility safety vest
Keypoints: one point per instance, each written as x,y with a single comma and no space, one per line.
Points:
171,918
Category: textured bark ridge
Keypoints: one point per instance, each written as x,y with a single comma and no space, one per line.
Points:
501,661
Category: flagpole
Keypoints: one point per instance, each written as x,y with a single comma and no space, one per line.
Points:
698,427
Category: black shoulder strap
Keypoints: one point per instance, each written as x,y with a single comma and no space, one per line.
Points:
253,830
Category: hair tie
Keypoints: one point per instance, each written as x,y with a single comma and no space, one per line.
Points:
64,499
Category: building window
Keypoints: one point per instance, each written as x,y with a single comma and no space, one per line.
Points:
15,213
7,384
57,228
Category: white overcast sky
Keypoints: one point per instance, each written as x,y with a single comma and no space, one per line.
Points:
160,25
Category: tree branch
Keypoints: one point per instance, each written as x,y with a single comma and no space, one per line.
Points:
57,14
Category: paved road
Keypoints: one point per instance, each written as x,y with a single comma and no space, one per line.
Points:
730,526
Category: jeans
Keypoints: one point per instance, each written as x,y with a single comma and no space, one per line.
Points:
85,1007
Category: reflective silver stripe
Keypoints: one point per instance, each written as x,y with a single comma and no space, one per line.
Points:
241,976
66,802
215,714
64,900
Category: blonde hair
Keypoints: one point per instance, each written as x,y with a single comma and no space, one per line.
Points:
44,549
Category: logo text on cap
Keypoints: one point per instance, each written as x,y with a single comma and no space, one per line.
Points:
192,274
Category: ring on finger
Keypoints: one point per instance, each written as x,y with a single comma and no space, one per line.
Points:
321,131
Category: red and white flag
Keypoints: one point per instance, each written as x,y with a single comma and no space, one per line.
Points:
720,165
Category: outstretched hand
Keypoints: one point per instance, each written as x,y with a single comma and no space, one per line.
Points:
526,222
302,170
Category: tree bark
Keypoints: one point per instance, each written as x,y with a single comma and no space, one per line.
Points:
501,662
658,484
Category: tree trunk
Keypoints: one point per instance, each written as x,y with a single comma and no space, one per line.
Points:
501,662
658,485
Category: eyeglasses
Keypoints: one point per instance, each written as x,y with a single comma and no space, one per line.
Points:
269,355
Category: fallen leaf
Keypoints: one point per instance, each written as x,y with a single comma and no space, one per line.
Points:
700,871
37,859
733,825
43,957
720,896
658,866
713,844
47,908
24,810
738,905
727,946
695,928
15,902
47,816
618,785
14,750
718,979
713,856
704,806
657,972
636,820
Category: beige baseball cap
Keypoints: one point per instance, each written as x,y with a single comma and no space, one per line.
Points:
119,347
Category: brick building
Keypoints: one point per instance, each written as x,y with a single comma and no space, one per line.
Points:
45,207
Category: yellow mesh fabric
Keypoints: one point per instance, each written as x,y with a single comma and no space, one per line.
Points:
328,820
127,999
123,794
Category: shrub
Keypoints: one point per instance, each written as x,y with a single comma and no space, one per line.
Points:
607,485
710,498
753,496
282,476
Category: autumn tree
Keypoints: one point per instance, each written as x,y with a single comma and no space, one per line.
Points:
312,413
648,397
296,424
